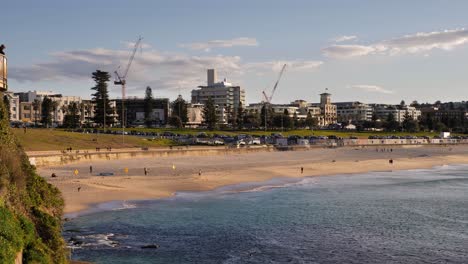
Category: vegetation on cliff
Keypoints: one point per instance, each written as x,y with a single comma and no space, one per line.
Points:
30,208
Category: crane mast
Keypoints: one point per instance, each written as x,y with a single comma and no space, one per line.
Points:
122,81
269,98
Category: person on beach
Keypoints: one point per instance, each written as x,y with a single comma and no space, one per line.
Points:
302,170
91,169
145,170
199,172
390,161
79,188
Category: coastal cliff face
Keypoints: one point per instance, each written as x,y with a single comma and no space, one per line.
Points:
30,208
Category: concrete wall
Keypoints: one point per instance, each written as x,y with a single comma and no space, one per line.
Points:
62,159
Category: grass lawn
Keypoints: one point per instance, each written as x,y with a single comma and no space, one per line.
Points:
300,132
55,139
40,139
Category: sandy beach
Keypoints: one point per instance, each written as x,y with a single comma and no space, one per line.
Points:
168,175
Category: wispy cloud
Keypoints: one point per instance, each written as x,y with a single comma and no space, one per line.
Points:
417,43
160,70
344,38
292,65
227,43
370,88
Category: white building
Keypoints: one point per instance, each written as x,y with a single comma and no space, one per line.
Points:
14,106
382,111
353,112
194,115
226,96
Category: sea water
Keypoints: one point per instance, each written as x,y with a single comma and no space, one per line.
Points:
416,216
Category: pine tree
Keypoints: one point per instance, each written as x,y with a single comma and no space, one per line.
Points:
179,108
240,116
209,114
148,106
102,111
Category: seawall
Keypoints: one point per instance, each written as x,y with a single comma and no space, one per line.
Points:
56,158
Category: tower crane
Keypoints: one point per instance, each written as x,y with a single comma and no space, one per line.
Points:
269,98
121,79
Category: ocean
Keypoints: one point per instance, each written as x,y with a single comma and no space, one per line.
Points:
415,216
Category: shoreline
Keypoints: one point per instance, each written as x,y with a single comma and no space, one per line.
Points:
243,187
230,170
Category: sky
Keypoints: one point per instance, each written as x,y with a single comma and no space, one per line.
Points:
369,51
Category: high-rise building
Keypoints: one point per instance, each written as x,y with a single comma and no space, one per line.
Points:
211,77
226,96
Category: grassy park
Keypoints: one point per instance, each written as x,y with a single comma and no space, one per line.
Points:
41,139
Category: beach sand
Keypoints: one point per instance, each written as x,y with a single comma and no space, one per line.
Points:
168,175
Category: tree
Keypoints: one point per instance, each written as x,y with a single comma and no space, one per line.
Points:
55,105
295,120
6,102
46,110
310,121
36,106
209,114
415,104
102,111
72,116
175,121
269,115
240,116
179,108
148,106
402,104
391,124
409,124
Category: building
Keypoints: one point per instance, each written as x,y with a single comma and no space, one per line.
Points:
353,112
3,70
328,115
135,111
399,112
194,115
226,96
30,112
14,106
60,103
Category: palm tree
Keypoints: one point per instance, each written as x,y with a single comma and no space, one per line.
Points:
55,105
36,105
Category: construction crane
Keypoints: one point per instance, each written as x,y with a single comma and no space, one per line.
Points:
121,79
269,98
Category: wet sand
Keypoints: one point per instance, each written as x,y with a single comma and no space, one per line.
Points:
168,175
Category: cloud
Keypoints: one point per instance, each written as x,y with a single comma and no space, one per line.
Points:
131,45
422,42
160,70
228,43
348,51
292,65
345,38
371,88
157,69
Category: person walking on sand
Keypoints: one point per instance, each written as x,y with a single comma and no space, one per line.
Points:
199,172
302,170
91,169
145,171
79,188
